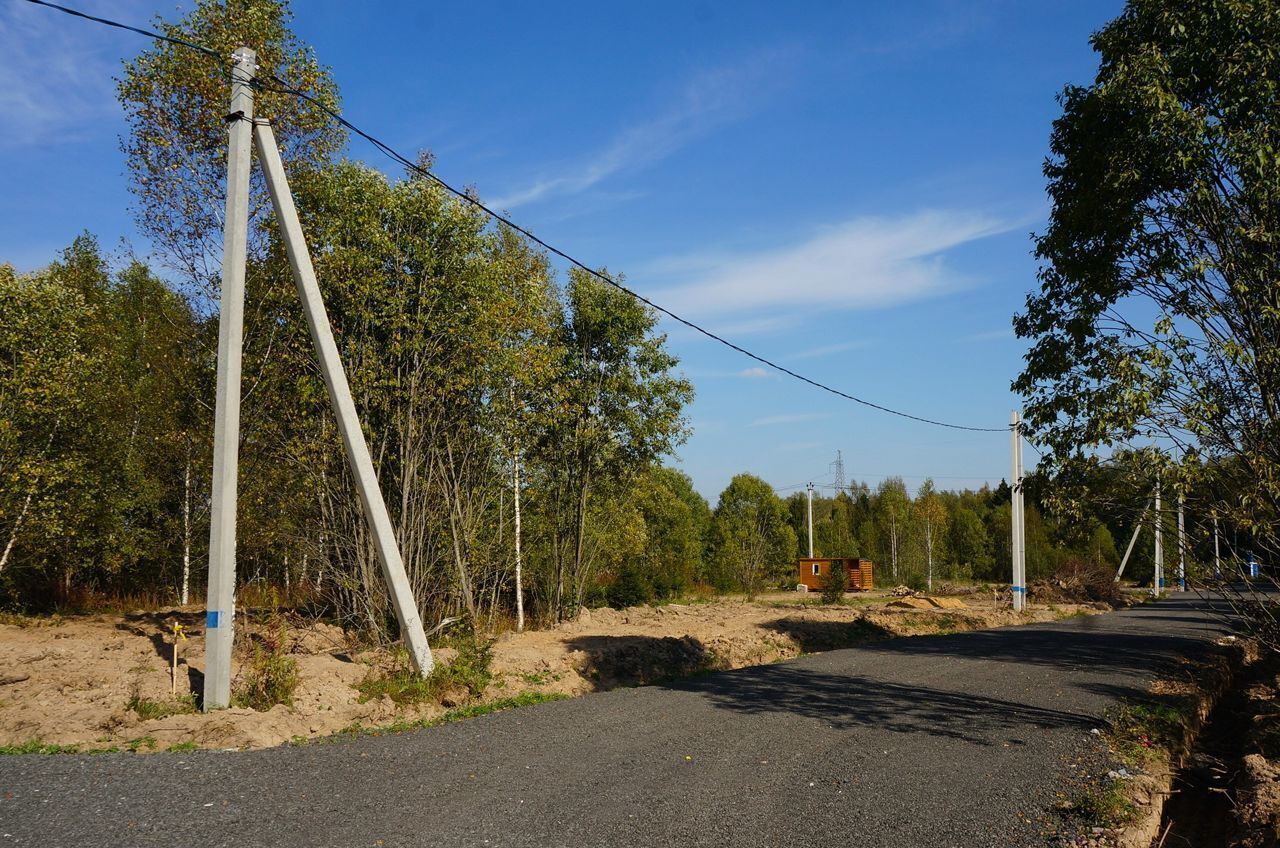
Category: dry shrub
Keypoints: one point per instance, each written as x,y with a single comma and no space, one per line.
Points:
1078,580
272,675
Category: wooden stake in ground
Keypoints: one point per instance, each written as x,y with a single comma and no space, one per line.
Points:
179,635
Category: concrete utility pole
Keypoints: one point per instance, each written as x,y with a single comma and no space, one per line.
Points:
1157,581
515,486
1018,540
1217,557
344,408
1132,540
1182,546
220,614
810,520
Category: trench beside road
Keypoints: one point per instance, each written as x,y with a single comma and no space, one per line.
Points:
961,740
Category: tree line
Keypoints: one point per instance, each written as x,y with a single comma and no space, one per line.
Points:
519,421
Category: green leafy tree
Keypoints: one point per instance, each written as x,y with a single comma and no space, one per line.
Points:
677,520
893,511
833,535
1158,313
618,409
175,103
444,328
752,541
932,518
970,544
833,583
46,367
94,426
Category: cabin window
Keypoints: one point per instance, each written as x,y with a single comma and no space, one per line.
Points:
816,569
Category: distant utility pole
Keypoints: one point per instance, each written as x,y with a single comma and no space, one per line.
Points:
1157,581
1217,556
1018,530
838,465
810,520
1182,546
220,612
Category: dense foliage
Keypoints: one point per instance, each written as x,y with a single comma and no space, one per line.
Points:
1156,325
479,375
964,536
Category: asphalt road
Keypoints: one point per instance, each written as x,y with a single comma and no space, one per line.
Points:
963,740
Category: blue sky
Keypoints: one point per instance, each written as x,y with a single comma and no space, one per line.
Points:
847,188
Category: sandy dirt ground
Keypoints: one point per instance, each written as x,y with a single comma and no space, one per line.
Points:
71,681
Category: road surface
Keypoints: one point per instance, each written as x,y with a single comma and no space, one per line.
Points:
962,740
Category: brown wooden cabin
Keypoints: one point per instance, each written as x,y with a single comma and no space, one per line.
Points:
858,572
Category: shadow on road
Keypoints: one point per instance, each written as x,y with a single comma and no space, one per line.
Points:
1089,642
817,688
814,636
613,661
852,701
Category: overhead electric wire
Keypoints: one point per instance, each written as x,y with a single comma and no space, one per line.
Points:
190,45
396,156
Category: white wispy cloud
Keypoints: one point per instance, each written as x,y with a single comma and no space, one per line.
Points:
755,373
789,418
792,447
864,262
762,325
56,81
709,100
827,350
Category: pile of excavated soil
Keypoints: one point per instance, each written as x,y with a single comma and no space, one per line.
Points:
72,680
1256,801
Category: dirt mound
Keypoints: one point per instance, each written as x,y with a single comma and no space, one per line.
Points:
101,681
919,601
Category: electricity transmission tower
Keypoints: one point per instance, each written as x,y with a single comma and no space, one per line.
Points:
838,466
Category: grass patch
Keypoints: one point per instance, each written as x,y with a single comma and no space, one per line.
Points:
185,747
148,709
1146,733
807,601
133,746
35,746
1106,804
466,676
948,623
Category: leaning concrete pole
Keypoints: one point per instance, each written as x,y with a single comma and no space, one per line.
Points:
344,408
220,612
1019,587
1137,528
1217,555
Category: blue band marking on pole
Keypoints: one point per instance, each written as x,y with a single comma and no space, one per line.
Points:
213,619
1022,589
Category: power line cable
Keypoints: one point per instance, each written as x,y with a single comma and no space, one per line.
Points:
190,45
392,153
